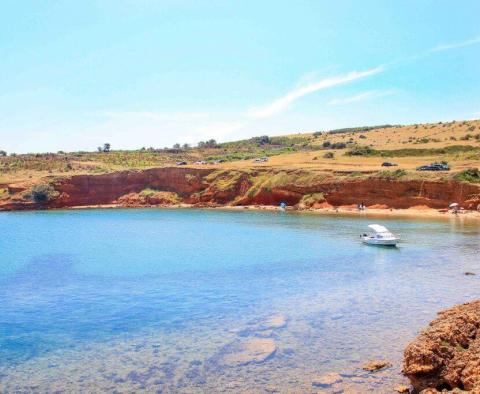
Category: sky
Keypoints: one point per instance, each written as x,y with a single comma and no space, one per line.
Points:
146,73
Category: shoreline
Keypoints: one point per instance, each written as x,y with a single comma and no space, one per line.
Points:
408,213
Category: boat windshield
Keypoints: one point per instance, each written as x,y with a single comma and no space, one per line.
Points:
384,235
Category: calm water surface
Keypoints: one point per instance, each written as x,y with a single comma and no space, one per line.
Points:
153,300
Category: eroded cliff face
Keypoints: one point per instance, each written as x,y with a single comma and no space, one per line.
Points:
212,187
108,188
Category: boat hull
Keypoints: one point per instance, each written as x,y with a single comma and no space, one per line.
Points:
380,242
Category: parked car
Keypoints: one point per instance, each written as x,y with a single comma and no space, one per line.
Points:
181,163
202,162
389,164
434,167
260,159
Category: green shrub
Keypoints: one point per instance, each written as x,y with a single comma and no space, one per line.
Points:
148,192
310,199
426,151
398,173
361,150
41,193
329,155
472,175
339,145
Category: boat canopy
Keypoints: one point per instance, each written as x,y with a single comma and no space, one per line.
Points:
378,229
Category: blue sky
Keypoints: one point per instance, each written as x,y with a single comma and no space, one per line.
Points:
152,73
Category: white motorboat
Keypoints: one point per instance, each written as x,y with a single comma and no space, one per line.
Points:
381,236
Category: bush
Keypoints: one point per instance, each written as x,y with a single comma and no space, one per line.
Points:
363,136
398,173
327,144
262,140
329,155
472,175
41,193
310,199
361,151
339,145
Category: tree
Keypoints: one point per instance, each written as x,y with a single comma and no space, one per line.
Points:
100,149
201,144
262,140
211,143
106,147
3,153
176,146
186,146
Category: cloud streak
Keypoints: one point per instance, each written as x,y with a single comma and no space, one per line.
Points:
361,97
284,102
446,47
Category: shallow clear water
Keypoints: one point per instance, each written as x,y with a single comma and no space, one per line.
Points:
152,300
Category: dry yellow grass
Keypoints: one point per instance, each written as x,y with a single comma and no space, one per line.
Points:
422,136
439,135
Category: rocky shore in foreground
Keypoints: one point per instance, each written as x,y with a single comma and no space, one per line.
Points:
446,355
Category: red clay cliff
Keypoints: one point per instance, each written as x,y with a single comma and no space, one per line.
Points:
213,187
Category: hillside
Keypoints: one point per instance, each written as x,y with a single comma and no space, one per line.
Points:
295,162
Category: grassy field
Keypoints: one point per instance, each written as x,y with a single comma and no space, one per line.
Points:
353,150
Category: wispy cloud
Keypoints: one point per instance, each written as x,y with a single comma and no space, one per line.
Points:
446,47
362,96
283,102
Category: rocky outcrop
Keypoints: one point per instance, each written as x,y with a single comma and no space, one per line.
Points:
148,198
211,187
447,354
376,365
107,188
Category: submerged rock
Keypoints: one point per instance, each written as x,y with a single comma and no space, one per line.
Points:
253,350
265,327
447,354
376,365
402,388
327,380
271,322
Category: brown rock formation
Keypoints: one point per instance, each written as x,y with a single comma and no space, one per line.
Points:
376,365
447,354
211,187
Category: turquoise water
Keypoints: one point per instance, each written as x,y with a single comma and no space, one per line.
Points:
153,300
